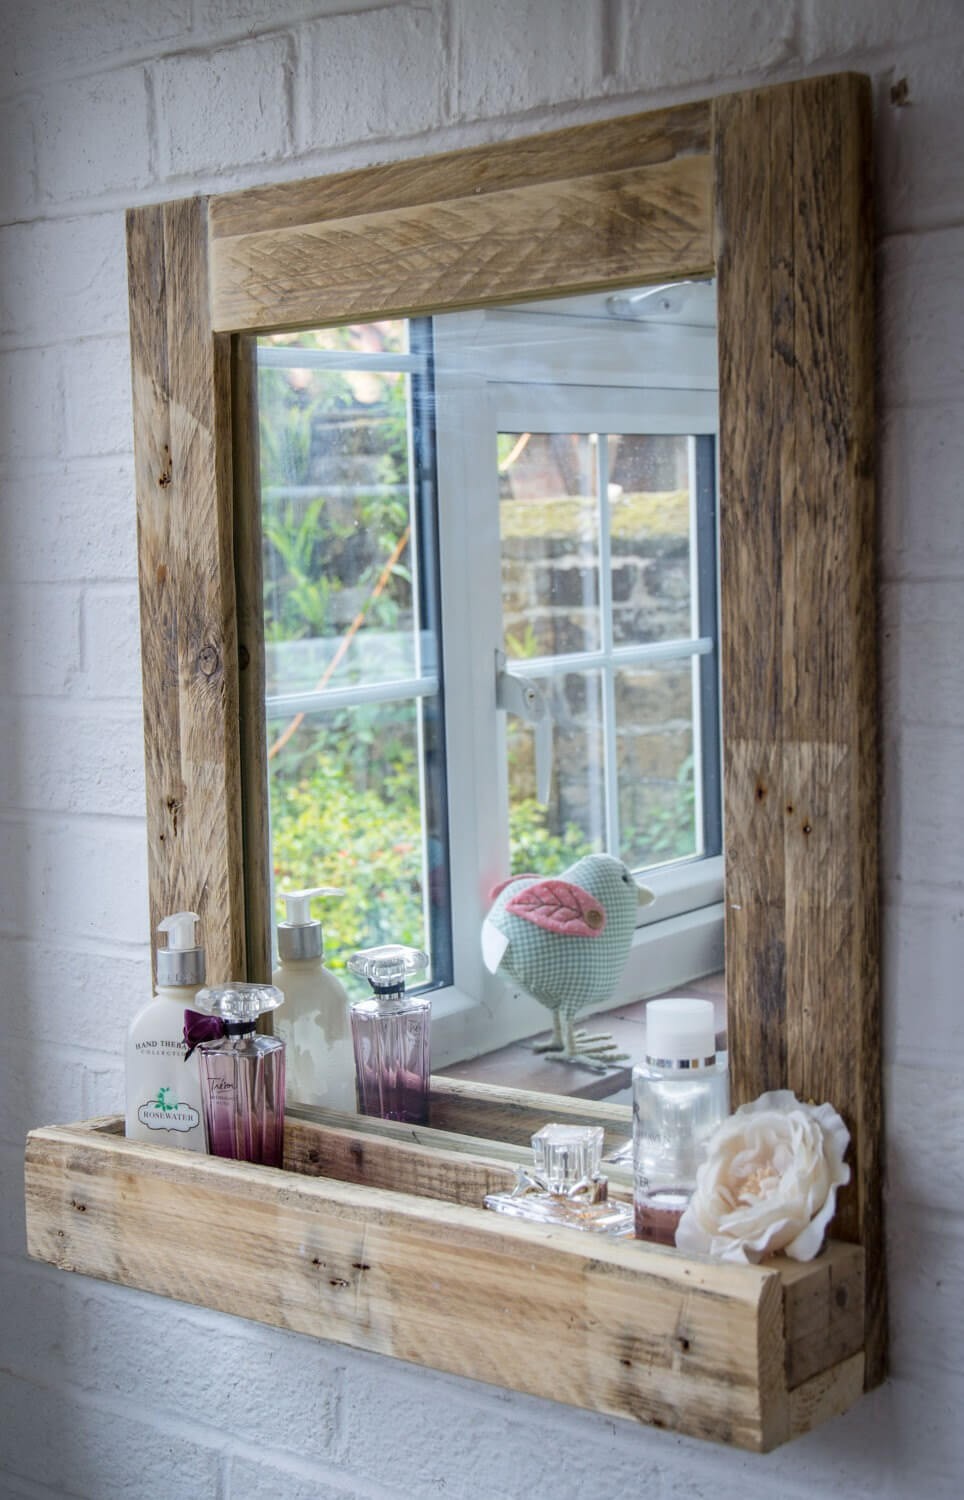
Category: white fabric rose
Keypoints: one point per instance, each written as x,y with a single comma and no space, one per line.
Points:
769,1181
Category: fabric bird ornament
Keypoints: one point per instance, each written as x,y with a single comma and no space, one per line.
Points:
565,942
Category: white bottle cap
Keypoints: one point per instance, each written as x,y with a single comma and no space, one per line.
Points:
182,961
300,936
681,1034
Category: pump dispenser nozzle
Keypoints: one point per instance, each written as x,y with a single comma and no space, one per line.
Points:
300,935
182,961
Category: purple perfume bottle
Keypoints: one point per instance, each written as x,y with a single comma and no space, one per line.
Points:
242,1073
390,1033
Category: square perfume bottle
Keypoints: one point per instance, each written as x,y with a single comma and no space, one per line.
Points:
565,1186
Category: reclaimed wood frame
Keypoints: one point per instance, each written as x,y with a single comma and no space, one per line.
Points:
768,190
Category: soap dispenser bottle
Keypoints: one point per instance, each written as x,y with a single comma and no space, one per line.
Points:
242,1073
163,1090
314,1023
390,1031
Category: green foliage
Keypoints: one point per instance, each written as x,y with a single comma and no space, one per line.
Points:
534,849
344,788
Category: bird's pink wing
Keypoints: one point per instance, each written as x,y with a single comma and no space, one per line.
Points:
559,907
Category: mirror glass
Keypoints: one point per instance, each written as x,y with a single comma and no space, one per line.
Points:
491,620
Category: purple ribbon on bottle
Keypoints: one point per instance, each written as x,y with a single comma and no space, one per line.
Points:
201,1028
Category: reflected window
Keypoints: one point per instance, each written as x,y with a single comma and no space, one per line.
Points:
521,496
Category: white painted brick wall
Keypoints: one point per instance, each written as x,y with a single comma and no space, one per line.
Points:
369,74
666,43
107,1393
63,273
223,108
93,135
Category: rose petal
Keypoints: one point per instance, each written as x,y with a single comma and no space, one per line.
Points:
768,1181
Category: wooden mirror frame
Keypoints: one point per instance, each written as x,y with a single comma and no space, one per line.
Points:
769,191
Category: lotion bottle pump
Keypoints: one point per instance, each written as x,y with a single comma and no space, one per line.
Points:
314,1023
163,1090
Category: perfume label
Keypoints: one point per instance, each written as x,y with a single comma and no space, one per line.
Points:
163,1113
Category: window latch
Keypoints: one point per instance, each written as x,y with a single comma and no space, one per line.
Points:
526,700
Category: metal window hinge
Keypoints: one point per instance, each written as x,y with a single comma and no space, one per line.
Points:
525,699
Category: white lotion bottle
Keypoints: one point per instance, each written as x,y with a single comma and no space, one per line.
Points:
164,1090
314,1023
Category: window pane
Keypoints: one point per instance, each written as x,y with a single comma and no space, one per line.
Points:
347,487
337,562
654,748
346,811
649,498
549,525
546,839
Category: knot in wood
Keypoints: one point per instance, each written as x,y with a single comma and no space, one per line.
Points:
209,660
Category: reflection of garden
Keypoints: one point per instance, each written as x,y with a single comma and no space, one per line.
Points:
339,610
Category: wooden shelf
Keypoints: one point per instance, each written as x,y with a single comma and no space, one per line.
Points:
389,1251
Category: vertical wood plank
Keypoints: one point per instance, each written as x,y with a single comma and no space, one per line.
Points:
797,552
251,656
753,150
182,427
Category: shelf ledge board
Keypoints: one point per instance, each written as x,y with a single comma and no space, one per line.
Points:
745,1355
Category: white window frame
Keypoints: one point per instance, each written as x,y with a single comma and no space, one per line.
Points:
681,935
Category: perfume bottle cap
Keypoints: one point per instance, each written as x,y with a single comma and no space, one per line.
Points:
681,1034
386,968
182,961
300,936
240,1003
567,1156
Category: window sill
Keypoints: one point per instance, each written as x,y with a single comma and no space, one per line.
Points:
519,1066
376,1240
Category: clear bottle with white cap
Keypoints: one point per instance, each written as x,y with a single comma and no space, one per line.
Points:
163,1090
314,1023
680,1096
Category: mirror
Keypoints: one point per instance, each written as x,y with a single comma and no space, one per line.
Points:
490,592
770,191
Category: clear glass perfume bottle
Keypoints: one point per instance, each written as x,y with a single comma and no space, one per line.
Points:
680,1096
565,1185
391,1035
242,1073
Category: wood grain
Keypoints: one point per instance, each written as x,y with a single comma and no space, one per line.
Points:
615,145
253,771
689,1345
514,1115
798,634
181,390
401,1165
610,229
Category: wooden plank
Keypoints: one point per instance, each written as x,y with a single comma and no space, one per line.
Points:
400,1165
188,643
577,151
615,228
827,1395
251,657
514,1115
824,1311
755,313
799,686
690,1345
